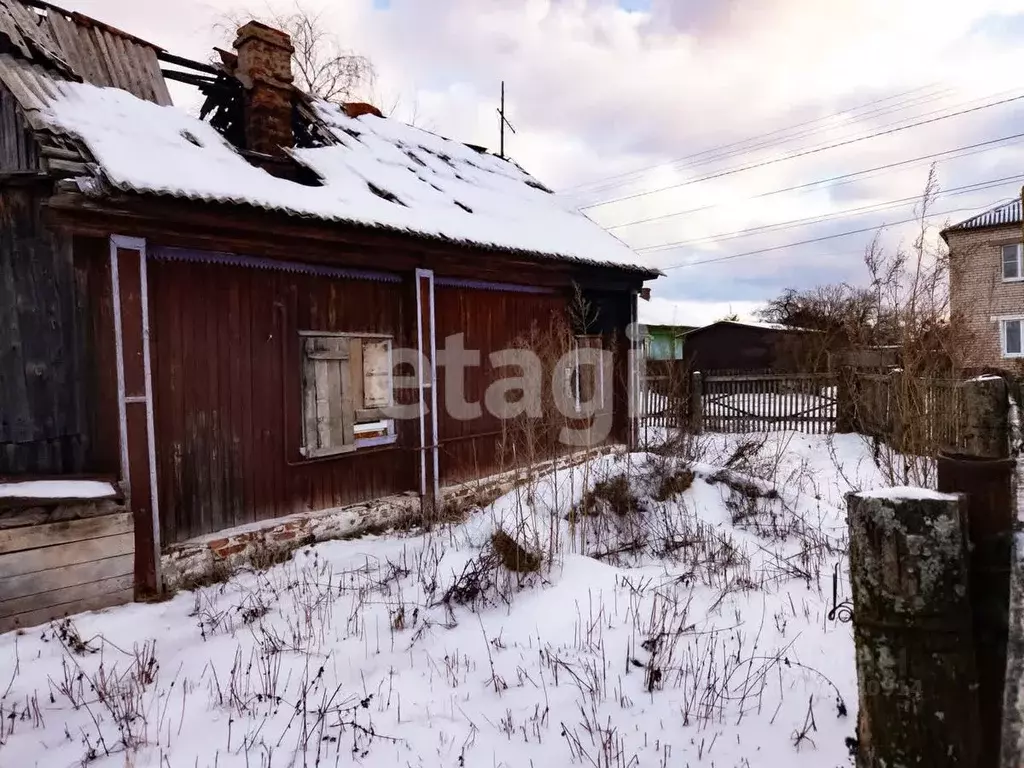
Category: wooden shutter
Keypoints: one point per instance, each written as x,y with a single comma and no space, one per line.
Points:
376,374
328,409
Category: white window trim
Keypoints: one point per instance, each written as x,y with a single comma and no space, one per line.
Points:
1003,320
1020,264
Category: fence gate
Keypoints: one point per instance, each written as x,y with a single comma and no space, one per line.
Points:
769,402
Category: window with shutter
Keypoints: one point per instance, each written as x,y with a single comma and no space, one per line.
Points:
346,387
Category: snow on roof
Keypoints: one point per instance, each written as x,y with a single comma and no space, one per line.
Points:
1004,213
752,324
380,173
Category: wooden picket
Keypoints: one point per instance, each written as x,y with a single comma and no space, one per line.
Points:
912,414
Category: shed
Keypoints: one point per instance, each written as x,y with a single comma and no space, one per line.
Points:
730,346
254,315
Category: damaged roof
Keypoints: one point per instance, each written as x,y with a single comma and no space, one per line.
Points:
372,171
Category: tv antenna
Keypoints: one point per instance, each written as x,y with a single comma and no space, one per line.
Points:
503,122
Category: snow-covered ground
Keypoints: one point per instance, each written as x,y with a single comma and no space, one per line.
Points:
690,630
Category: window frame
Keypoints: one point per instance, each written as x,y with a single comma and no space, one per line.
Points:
1003,321
1020,263
373,421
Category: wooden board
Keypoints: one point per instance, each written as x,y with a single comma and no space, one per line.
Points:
50,534
43,615
68,566
69,576
45,558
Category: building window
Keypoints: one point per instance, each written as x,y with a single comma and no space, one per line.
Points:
1010,331
1012,267
346,389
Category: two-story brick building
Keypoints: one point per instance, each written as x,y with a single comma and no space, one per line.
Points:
987,285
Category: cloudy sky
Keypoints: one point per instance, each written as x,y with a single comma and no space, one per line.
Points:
674,122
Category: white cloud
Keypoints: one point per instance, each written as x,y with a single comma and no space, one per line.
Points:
661,311
594,91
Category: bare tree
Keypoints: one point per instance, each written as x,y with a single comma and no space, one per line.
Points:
321,65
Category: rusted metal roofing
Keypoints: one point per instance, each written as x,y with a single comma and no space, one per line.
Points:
1001,215
79,47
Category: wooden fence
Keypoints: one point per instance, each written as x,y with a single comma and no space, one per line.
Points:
919,415
912,414
766,403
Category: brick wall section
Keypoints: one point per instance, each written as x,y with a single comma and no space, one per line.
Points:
978,293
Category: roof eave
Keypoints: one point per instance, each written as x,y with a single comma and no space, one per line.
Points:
95,188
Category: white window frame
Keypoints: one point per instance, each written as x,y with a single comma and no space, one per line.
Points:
1002,337
1020,264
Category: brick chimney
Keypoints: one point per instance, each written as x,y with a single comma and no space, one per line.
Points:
265,71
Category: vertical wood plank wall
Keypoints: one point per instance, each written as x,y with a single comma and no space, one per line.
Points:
43,419
228,393
227,378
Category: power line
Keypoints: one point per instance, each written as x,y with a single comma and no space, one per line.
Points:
600,184
895,124
807,152
805,242
847,213
986,144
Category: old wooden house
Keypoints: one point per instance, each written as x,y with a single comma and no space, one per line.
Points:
204,312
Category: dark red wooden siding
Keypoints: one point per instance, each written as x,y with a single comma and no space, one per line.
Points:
491,321
227,389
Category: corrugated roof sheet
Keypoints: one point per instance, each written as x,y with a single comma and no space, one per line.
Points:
77,46
34,41
103,56
32,85
373,171
1005,213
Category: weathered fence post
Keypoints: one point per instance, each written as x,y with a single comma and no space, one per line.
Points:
1012,754
983,473
912,629
986,418
696,403
846,405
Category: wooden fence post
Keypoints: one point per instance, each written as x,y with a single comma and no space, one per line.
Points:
983,473
846,407
912,629
986,418
696,404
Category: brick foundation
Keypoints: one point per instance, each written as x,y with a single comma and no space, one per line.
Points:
210,558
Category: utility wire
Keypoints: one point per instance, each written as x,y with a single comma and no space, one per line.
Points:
608,182
987,146
806,242
822,218
806,152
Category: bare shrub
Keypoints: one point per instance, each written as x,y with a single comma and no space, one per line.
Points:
513,556
613,495
673,483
